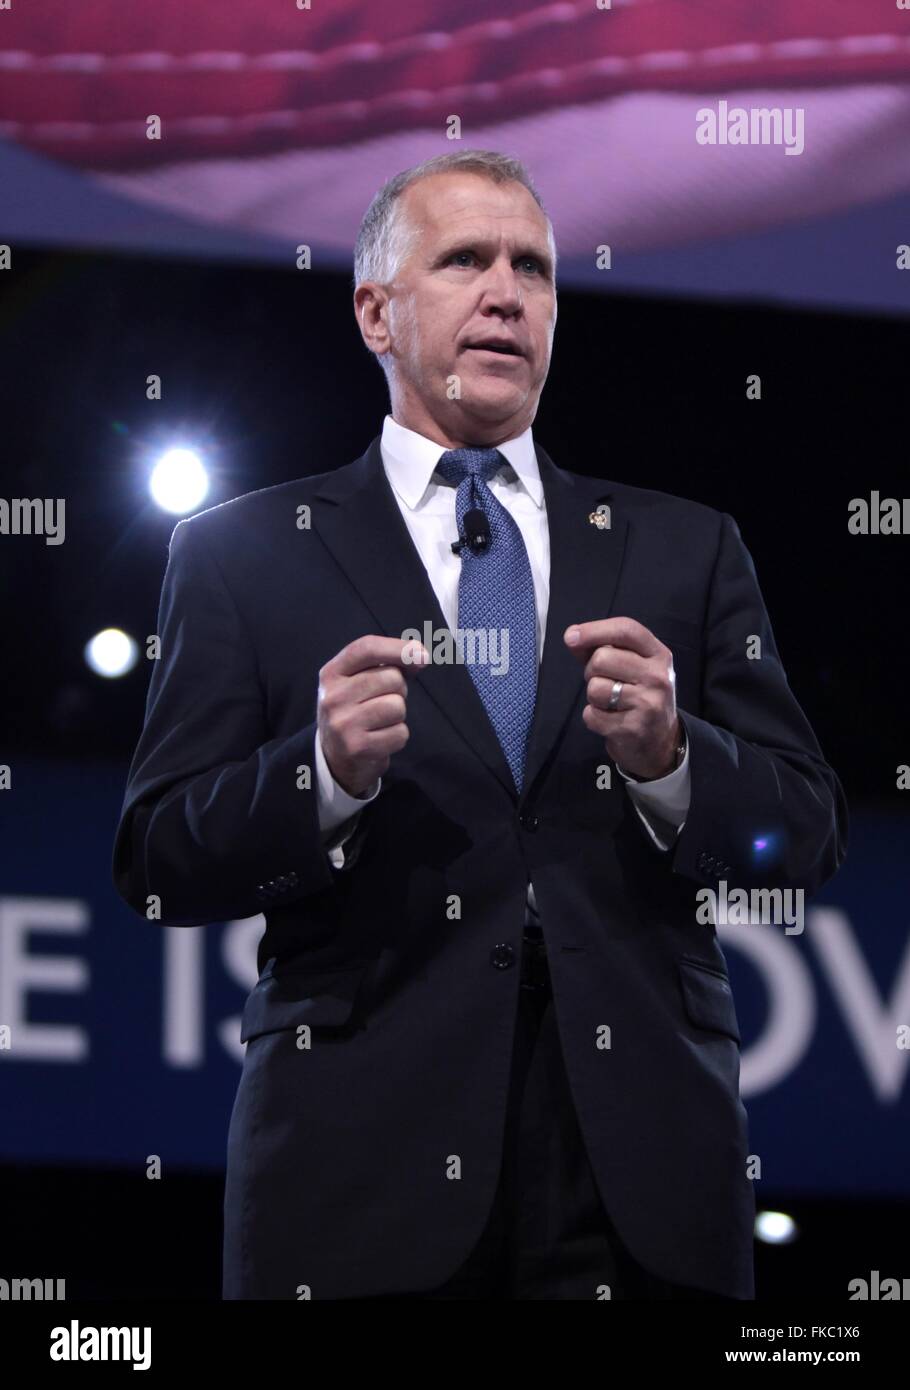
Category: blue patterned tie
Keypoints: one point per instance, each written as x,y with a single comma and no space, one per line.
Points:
496,593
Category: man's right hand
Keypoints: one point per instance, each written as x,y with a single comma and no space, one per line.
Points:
362,707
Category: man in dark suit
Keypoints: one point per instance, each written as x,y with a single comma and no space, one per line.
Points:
473,733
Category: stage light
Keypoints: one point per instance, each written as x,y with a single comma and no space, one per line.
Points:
179,481
111,653
775,1228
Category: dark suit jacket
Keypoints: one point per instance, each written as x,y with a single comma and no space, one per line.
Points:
339,1173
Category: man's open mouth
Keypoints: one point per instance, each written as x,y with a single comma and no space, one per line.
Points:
506,349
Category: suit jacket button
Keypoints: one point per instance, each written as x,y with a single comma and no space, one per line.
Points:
502,956
528,821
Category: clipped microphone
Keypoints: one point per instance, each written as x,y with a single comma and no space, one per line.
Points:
476,532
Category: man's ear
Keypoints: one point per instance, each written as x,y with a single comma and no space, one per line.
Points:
370,302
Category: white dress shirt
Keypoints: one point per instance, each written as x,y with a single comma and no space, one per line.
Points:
427,504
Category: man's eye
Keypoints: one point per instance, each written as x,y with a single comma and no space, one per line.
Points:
526,262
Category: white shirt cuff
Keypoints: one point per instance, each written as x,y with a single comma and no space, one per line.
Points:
335,806
667,798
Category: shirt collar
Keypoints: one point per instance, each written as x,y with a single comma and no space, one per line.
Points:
410,460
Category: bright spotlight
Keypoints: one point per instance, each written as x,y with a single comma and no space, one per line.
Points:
775,1228
179,481
111,653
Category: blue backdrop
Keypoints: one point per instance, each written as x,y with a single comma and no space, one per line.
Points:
125,1035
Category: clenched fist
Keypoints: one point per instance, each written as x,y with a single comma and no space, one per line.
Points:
362,706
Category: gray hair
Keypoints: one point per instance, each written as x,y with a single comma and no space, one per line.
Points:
384,240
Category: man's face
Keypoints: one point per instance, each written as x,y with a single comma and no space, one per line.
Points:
479,271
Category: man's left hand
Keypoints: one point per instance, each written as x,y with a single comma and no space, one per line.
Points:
643,732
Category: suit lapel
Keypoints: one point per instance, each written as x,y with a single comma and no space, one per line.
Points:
360,523
584,570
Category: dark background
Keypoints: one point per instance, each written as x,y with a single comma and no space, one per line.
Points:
266,369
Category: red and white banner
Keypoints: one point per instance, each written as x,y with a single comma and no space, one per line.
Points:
284,121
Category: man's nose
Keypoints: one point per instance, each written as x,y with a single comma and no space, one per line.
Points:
503,291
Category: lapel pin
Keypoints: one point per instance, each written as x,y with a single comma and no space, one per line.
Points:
600,517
